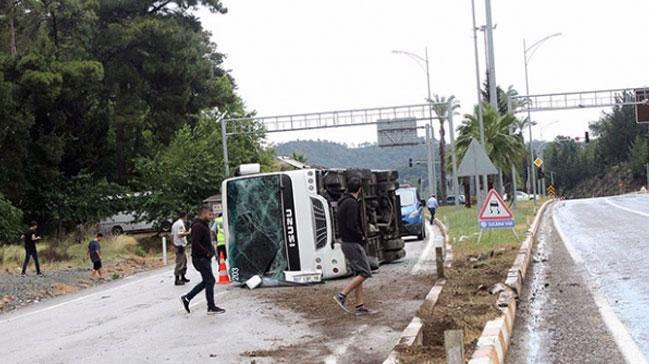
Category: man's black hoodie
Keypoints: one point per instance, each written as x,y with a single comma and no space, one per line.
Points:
349,220
201,240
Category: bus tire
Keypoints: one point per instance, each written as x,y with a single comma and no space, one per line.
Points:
394,244
391,256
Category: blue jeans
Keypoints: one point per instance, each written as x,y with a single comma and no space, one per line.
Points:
204,267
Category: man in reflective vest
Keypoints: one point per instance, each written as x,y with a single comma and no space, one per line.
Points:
220,236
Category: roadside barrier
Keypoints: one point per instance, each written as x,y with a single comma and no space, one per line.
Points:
496,335
413,334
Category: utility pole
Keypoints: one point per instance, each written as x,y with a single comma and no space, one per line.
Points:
429,159
456,190
431,155
224,141
478,86
493,93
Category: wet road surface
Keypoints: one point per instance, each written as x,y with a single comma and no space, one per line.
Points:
140,320
587,299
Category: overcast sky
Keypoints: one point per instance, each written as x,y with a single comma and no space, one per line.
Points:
294,56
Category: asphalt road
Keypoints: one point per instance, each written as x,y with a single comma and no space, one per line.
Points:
140,319
587,294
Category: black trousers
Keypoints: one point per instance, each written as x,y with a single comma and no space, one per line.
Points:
204,267
432,214
31,252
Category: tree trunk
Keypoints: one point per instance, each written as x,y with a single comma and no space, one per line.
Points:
120,154
466,182
442,156
12,32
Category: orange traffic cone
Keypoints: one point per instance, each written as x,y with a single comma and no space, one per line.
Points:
224,278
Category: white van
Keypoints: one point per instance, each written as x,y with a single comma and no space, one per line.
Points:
125,222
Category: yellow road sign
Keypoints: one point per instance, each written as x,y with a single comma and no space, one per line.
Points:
538,162
551,191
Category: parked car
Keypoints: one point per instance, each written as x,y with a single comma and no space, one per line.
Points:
521,196
412,212
450,199
125,222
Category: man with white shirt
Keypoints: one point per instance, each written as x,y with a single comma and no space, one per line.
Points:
179,236
432,207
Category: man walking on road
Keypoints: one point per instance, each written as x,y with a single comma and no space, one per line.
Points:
179,235
353,246
94,251
31,237
432,207
202,253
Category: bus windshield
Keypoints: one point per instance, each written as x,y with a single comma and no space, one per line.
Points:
256,243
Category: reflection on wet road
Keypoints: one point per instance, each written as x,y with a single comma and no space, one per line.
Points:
614,244
587,297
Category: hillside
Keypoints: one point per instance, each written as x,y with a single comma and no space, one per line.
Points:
335,155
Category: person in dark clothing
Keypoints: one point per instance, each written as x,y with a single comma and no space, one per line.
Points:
353,246
31,237
94,251
202,253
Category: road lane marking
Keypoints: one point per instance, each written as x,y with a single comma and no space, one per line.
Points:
342,349
425,254
608,201
101,292
625,343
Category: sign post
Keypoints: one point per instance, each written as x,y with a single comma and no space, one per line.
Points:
495,214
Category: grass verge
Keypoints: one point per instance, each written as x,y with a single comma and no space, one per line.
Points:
465,302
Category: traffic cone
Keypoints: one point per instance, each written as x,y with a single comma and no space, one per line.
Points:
224,278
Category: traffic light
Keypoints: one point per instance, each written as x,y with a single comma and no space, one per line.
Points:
410,162
540,173
586,137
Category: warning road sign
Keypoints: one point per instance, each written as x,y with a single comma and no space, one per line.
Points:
551,191
538,162
494,213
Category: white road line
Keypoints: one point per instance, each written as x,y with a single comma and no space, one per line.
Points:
608,201
623,339
98,293
426,253
342,349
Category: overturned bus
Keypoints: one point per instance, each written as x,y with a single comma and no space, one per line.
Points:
282,225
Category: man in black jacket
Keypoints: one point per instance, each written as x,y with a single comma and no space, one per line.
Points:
202,253
351,233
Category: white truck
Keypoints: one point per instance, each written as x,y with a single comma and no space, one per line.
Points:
283,225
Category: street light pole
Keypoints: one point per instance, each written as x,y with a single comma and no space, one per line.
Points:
432,174
526,60
477,77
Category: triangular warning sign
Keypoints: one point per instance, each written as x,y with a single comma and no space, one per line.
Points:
494,208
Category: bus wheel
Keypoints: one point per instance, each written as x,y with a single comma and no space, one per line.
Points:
117,230
165,226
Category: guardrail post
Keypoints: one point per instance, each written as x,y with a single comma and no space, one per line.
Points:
454,344
439,260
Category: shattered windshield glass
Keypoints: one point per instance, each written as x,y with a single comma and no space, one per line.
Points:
256,232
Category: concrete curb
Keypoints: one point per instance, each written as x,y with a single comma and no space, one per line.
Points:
496,335
413,334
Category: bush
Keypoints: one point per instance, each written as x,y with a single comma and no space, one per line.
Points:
10,221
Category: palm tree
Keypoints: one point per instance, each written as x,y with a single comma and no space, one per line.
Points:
298,157
504,147
441,106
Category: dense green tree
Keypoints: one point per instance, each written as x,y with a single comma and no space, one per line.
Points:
10,221
190,169
88,87
639,156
